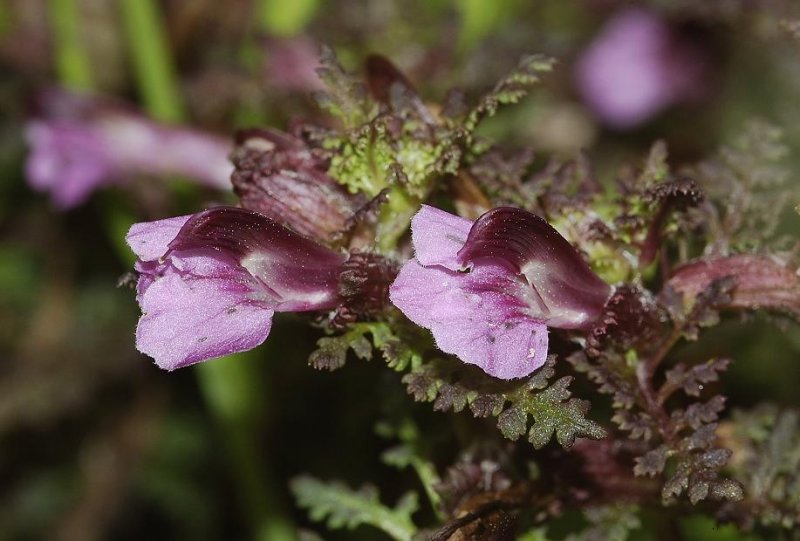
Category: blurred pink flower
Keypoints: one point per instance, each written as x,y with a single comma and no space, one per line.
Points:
637,66
80,143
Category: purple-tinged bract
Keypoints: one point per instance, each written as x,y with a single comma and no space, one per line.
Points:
279,176
759,282
489,290
210,283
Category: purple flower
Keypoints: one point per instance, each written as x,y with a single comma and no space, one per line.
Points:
210,283
488,290
82,143
637,66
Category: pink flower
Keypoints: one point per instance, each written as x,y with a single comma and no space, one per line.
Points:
82,143
637,66
210,283
291,64
489,290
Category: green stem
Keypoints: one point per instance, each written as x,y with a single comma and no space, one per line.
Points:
275,18
72,63
429,479
479,18
395,217
5,18
152,59
234,391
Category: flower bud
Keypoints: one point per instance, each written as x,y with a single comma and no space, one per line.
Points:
279,176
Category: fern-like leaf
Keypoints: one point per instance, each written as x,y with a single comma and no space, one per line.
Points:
512,88
345,96
343,507
530,407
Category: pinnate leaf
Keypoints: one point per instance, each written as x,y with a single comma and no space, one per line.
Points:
343,507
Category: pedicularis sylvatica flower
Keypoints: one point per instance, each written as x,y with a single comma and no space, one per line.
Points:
489,290
210,283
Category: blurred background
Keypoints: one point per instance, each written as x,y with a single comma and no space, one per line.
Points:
118,111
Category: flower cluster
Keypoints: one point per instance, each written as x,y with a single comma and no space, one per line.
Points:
497,283
210,283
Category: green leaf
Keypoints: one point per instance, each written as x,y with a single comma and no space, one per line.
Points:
511,89
513,422
479,18
769,442
331,352
656,168
397,354
552,410
692,380
342,507
422,384
73,64
152,60
374,157
748,185
345,96
651,463
412,452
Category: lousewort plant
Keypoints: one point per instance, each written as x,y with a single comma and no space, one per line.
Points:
541,276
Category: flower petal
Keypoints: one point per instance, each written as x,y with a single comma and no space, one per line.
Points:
150,240
189,318
483,326
639,64
302,274
438,236
525,244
